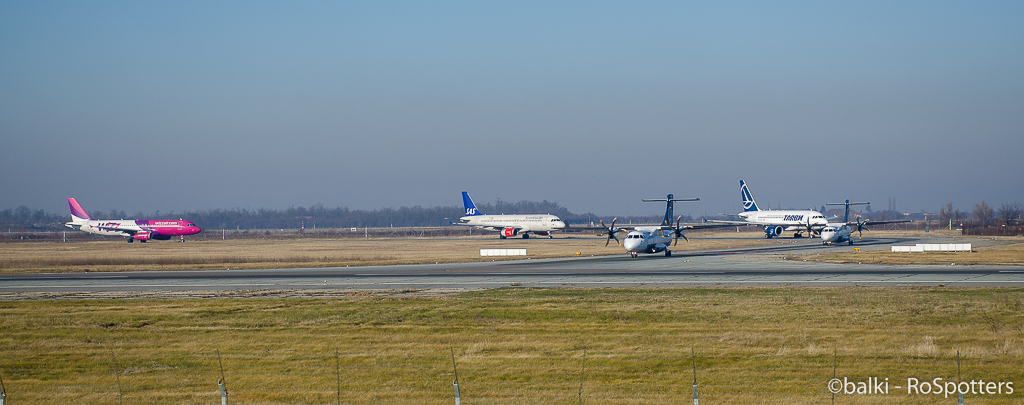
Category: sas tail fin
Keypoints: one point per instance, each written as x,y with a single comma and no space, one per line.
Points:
748,200
468,204
78,213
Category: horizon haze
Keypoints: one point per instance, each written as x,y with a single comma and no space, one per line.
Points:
183,106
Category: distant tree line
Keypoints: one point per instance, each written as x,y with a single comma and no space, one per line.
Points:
23,219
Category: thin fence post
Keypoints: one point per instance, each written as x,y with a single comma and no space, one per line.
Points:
583,367
835,355
693,356
455,383
117,374
960,394
3,390
337,372
221,383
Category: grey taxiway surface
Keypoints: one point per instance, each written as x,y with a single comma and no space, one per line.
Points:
766,266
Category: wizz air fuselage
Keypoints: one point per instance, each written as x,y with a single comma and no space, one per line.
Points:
509,225
141,230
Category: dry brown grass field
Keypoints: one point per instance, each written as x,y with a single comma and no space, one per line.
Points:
1002,251
116,255
514,346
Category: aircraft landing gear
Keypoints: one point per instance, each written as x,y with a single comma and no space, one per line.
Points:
501,236
798,235
526,236
131,239
633,254
668,253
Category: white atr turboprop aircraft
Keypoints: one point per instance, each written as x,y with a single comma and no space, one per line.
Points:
655,238
775,222
842,232
509,225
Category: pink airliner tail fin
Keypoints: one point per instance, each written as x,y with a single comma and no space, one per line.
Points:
78,213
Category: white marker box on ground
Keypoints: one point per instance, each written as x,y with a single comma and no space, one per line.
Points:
502,252
933,247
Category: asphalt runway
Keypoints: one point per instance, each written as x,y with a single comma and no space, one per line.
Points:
764,266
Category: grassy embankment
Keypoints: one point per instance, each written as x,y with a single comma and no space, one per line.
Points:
514,346
246,254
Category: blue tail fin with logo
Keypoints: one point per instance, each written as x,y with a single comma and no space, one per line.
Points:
468,204
748,200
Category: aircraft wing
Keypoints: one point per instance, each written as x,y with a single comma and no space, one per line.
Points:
870,222
725,223
708,225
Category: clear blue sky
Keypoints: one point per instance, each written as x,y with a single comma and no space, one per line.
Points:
175,106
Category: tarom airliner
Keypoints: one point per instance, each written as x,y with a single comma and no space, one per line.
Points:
775,222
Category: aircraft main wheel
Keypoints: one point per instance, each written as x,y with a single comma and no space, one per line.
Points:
668,253
130,240
851,242
526,236
501,236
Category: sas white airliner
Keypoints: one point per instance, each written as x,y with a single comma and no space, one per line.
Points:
775,222
509,225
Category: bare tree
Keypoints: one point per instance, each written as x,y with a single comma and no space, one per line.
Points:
983,213
1010,211
946,213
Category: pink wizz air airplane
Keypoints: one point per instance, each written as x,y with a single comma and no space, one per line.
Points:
135,229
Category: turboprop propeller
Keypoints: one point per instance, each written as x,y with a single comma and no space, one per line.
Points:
861,227
678,232
611,232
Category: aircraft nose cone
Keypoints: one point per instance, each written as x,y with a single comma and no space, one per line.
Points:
631,244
